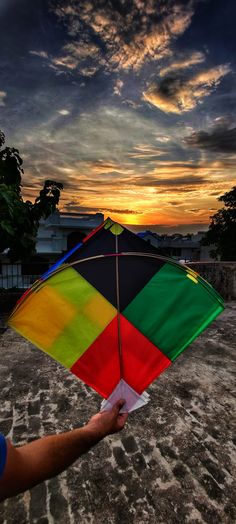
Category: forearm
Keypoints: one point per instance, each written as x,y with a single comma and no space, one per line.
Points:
50,455
44,458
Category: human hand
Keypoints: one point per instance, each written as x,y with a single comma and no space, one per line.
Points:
108,422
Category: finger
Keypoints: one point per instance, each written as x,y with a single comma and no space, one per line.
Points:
122,419
118,405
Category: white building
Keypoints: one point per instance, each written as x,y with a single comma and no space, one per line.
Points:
56,235
62,231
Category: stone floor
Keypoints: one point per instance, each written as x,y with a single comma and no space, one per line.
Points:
174,462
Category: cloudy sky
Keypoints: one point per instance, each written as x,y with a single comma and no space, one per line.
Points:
129,103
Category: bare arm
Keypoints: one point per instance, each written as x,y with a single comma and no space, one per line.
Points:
33,463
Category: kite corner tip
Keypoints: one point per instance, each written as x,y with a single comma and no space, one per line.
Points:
133,400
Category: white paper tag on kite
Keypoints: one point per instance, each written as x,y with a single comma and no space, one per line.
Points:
132,399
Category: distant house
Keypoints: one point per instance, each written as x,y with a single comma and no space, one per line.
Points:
186,248
62,231
56,235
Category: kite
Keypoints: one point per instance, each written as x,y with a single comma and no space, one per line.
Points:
115,313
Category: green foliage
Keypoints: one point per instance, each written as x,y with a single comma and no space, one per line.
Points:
19,220
222,229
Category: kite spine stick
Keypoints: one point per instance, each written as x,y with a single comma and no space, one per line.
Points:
118,310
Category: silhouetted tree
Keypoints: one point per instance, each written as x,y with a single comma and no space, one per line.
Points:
222,229
19,220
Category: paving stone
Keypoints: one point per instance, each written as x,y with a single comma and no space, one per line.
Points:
130,444
34,424
211,487
214,470
38,501
6,425
209,513
58,504
167,451
180,471
15,513
34,408
120,457
139,462
230,512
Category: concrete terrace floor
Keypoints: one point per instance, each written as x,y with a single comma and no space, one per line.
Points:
174,463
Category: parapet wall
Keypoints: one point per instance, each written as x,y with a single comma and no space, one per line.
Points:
221,275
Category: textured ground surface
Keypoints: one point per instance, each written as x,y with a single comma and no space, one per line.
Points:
173,464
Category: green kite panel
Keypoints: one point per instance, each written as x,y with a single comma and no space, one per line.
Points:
173,309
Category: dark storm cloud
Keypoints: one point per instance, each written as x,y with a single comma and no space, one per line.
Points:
119,35
220,139
74,206
121,211
170,182
166,229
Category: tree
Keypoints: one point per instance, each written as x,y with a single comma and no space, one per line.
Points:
222,229
19,220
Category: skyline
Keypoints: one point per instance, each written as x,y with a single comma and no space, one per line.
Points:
130,104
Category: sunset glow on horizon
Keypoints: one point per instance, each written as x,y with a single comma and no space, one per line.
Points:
131,105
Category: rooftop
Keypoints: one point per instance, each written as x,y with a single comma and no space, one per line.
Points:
175,461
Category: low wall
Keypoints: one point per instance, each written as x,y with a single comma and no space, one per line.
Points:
8,299
221,275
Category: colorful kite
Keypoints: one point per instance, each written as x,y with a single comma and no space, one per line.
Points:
116,313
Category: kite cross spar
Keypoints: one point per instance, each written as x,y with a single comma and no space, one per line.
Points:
115,313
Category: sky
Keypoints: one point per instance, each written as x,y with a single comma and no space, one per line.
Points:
129,103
